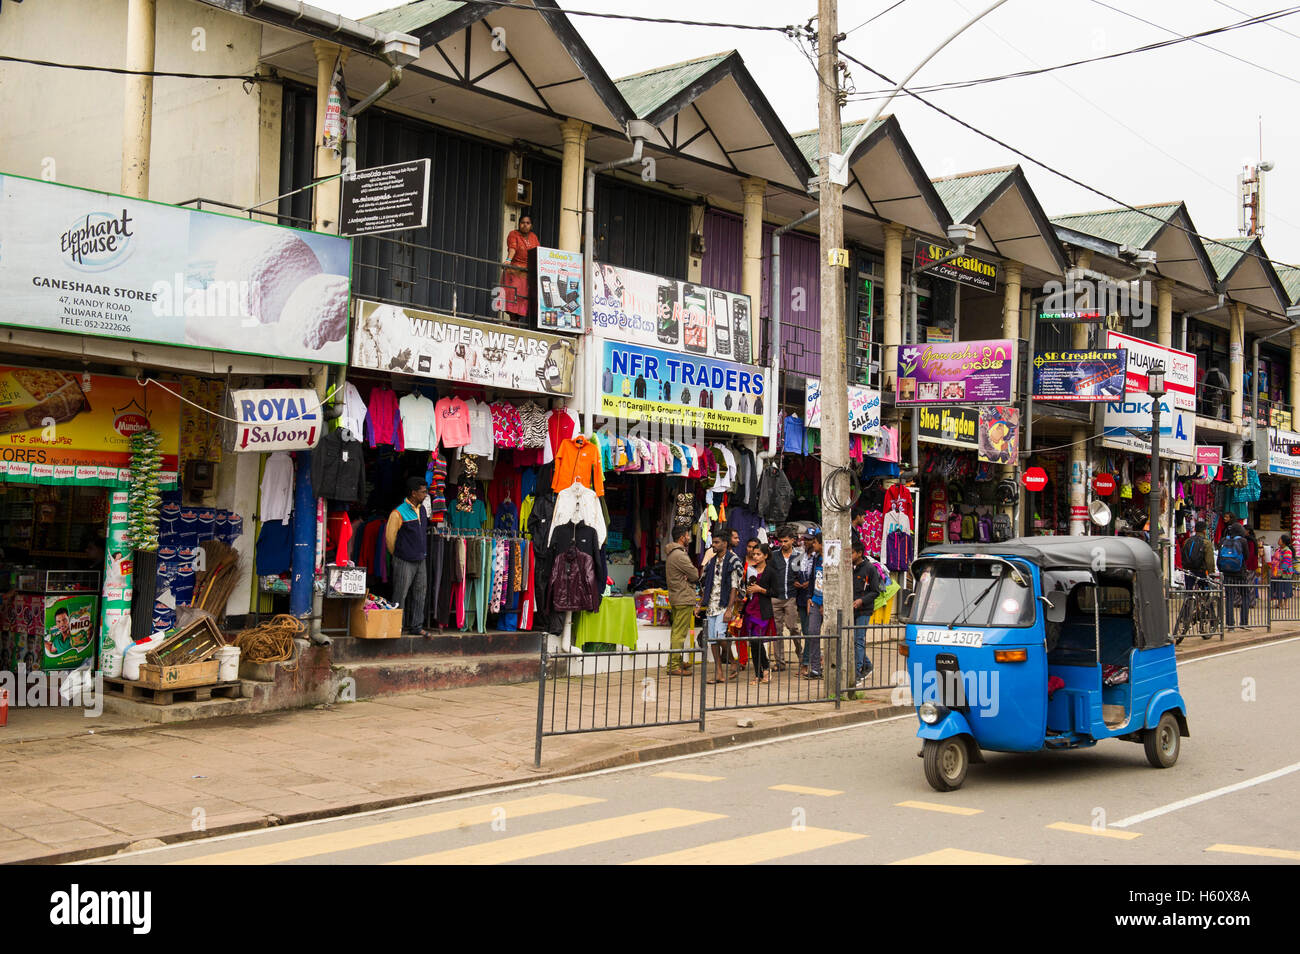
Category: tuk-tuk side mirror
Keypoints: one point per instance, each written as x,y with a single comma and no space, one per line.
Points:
1055,601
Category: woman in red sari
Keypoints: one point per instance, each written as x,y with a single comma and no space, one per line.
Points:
515,283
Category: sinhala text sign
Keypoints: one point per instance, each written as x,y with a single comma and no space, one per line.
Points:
94,263
956,372
385,198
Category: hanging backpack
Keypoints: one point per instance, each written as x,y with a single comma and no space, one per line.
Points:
1002,528
984,529
968,528
1232,554
954,525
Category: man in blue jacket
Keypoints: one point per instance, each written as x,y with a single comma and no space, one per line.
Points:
721,579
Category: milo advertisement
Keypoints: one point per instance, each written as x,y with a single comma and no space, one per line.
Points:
68,630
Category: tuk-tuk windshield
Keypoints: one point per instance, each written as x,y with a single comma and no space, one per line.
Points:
973,593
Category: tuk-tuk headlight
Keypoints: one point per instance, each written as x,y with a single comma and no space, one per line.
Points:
928,712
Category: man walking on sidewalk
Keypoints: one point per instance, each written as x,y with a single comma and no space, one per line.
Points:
866,587
785,610
682,577
1232,563
408,541
723,575
816,588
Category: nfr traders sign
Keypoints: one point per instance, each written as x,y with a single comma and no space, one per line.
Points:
275,420
667,387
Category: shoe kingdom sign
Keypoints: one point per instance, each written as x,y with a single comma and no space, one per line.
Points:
274,420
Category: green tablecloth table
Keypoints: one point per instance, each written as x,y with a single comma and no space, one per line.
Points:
613,623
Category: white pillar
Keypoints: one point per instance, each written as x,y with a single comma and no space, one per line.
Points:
572,166
893,305
137,122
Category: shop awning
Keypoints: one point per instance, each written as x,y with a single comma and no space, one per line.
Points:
1245,275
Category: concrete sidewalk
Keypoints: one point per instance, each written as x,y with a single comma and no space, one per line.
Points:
93,787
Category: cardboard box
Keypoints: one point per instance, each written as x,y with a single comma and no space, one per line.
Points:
179,677
375,623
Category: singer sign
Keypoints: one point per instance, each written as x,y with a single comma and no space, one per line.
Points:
275,420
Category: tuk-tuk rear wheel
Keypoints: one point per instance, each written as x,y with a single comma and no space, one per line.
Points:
1163,742
946,761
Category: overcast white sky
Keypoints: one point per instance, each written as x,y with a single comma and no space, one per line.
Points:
1174,123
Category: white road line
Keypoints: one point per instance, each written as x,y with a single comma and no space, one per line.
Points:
1205,797
483,793
1233,652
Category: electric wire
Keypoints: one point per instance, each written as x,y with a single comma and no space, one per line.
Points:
1271,26
510,4
1145,48
873,19
243,77
1215,49
1205,240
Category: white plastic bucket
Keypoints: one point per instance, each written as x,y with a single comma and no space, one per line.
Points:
227,663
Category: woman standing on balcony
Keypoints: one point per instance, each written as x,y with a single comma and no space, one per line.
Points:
513,280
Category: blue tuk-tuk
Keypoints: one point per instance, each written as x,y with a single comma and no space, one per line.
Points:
1043,642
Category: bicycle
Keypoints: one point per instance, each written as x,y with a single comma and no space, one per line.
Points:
1199,615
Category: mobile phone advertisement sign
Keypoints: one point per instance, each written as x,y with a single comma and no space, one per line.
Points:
671,315
557,289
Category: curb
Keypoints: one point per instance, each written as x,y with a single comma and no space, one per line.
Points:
836,718
706,743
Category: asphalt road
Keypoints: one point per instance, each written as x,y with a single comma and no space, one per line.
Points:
858,795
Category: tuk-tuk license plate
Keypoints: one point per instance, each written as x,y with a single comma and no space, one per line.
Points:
949,637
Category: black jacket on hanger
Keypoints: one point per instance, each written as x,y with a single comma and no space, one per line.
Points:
337,469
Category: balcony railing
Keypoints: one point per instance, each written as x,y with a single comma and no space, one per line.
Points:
1213,402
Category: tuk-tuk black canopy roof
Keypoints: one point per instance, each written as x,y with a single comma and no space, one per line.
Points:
1104,555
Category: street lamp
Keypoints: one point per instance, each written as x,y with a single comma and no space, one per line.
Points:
1156,389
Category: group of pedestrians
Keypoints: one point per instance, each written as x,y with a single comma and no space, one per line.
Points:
1238,559
763,596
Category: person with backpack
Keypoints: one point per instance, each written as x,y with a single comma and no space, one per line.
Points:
1198,558
1283,568
1232,563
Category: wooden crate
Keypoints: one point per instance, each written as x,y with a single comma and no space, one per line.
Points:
179,677
195,643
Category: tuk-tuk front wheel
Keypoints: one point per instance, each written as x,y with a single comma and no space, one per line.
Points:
1163,742
946,761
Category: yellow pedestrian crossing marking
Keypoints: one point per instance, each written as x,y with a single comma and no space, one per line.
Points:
959,856
520,847
936,807
392,831
689,777
1099,832
1261,852
752,849
806,790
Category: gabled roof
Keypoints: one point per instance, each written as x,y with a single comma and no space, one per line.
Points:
1008,217
645,92
885,177
1245,273
1121,226
963,193
1226,254
1165,228
545,67
710,110
1290,278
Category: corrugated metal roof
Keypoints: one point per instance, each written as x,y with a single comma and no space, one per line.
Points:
1225,259
1290,276
412,16
964,192
1121,226
808,140
646,92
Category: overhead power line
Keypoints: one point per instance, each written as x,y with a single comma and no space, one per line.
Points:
243,77
504,4
1206,240
1146,48
1271,26
873,19
1215,49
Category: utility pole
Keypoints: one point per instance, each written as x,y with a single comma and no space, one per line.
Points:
838,593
